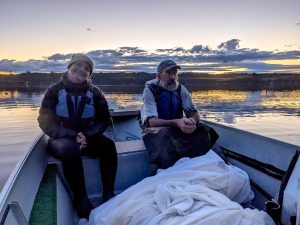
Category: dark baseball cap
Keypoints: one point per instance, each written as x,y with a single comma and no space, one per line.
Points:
167,65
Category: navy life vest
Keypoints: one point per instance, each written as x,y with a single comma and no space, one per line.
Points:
168,103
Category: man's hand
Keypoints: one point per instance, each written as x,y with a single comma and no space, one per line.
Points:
81,139
186,125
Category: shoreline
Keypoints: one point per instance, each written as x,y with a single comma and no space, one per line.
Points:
134,82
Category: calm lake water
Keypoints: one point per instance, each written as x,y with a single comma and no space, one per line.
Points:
275,114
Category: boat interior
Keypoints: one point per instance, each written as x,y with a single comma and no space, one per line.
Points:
269,164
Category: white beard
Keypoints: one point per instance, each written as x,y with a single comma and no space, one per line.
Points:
171,86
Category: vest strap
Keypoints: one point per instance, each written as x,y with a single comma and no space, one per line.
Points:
74,114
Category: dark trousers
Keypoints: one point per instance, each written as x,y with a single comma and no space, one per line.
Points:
68,152
171,144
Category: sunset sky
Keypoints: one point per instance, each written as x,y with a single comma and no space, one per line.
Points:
213,36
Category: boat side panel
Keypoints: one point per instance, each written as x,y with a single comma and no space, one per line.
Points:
291,197
132,168
65,210
267,183
10,219
23,184
259,200
257,147
126,128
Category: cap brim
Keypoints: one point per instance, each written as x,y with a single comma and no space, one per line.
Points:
171,67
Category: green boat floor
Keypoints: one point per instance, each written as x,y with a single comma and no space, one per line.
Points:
44,211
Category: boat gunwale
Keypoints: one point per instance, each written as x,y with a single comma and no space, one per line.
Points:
121,112
265,138
9,184
262,137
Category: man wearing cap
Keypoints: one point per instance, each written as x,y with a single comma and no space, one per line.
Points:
74,114
168,135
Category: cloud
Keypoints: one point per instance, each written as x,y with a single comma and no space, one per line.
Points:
171,51
228,56
131,50
58,57
257,67
229,45
297,24
200,49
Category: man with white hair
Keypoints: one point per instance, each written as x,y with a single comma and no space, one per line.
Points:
168,135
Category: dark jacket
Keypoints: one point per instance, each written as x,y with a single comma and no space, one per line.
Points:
68,108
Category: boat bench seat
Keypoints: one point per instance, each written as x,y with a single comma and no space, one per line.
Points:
130,146
132,159
121,146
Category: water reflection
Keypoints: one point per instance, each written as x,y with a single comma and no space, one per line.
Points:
284,100
124,100
219,105
227,106
8,94
200,97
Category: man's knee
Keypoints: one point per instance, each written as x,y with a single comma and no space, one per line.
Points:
166,131
64,148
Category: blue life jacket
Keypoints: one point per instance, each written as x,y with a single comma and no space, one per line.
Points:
168,103
75,110
73,106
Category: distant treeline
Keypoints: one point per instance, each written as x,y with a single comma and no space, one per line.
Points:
134,82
